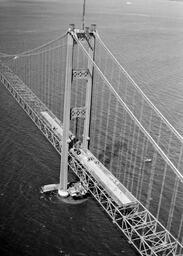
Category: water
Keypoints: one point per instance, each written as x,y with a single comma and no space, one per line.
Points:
141,35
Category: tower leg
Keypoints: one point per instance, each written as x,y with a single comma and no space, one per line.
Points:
88,97
62,190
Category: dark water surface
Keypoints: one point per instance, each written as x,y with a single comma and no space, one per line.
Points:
145,36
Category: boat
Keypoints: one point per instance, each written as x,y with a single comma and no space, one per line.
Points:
148,160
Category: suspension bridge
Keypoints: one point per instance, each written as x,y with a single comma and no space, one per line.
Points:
130,158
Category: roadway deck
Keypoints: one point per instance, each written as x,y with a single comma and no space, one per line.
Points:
105,178
23,92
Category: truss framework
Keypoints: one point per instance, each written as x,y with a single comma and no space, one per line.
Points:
80,74
141,228
25,97
78,112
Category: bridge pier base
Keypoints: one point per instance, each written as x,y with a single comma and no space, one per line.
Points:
63,193
54,187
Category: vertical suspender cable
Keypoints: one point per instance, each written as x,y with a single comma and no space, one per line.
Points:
138,144
163,182
114,139
109,110
174,196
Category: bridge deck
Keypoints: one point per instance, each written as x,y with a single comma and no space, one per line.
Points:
23,91
105,178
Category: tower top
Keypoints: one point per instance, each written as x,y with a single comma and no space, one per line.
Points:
83,16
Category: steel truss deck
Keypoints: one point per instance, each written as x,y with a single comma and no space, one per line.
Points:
140,227
30,104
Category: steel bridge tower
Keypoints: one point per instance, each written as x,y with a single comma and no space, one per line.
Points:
88,37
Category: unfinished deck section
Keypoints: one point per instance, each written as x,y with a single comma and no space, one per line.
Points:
30,103
105,178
